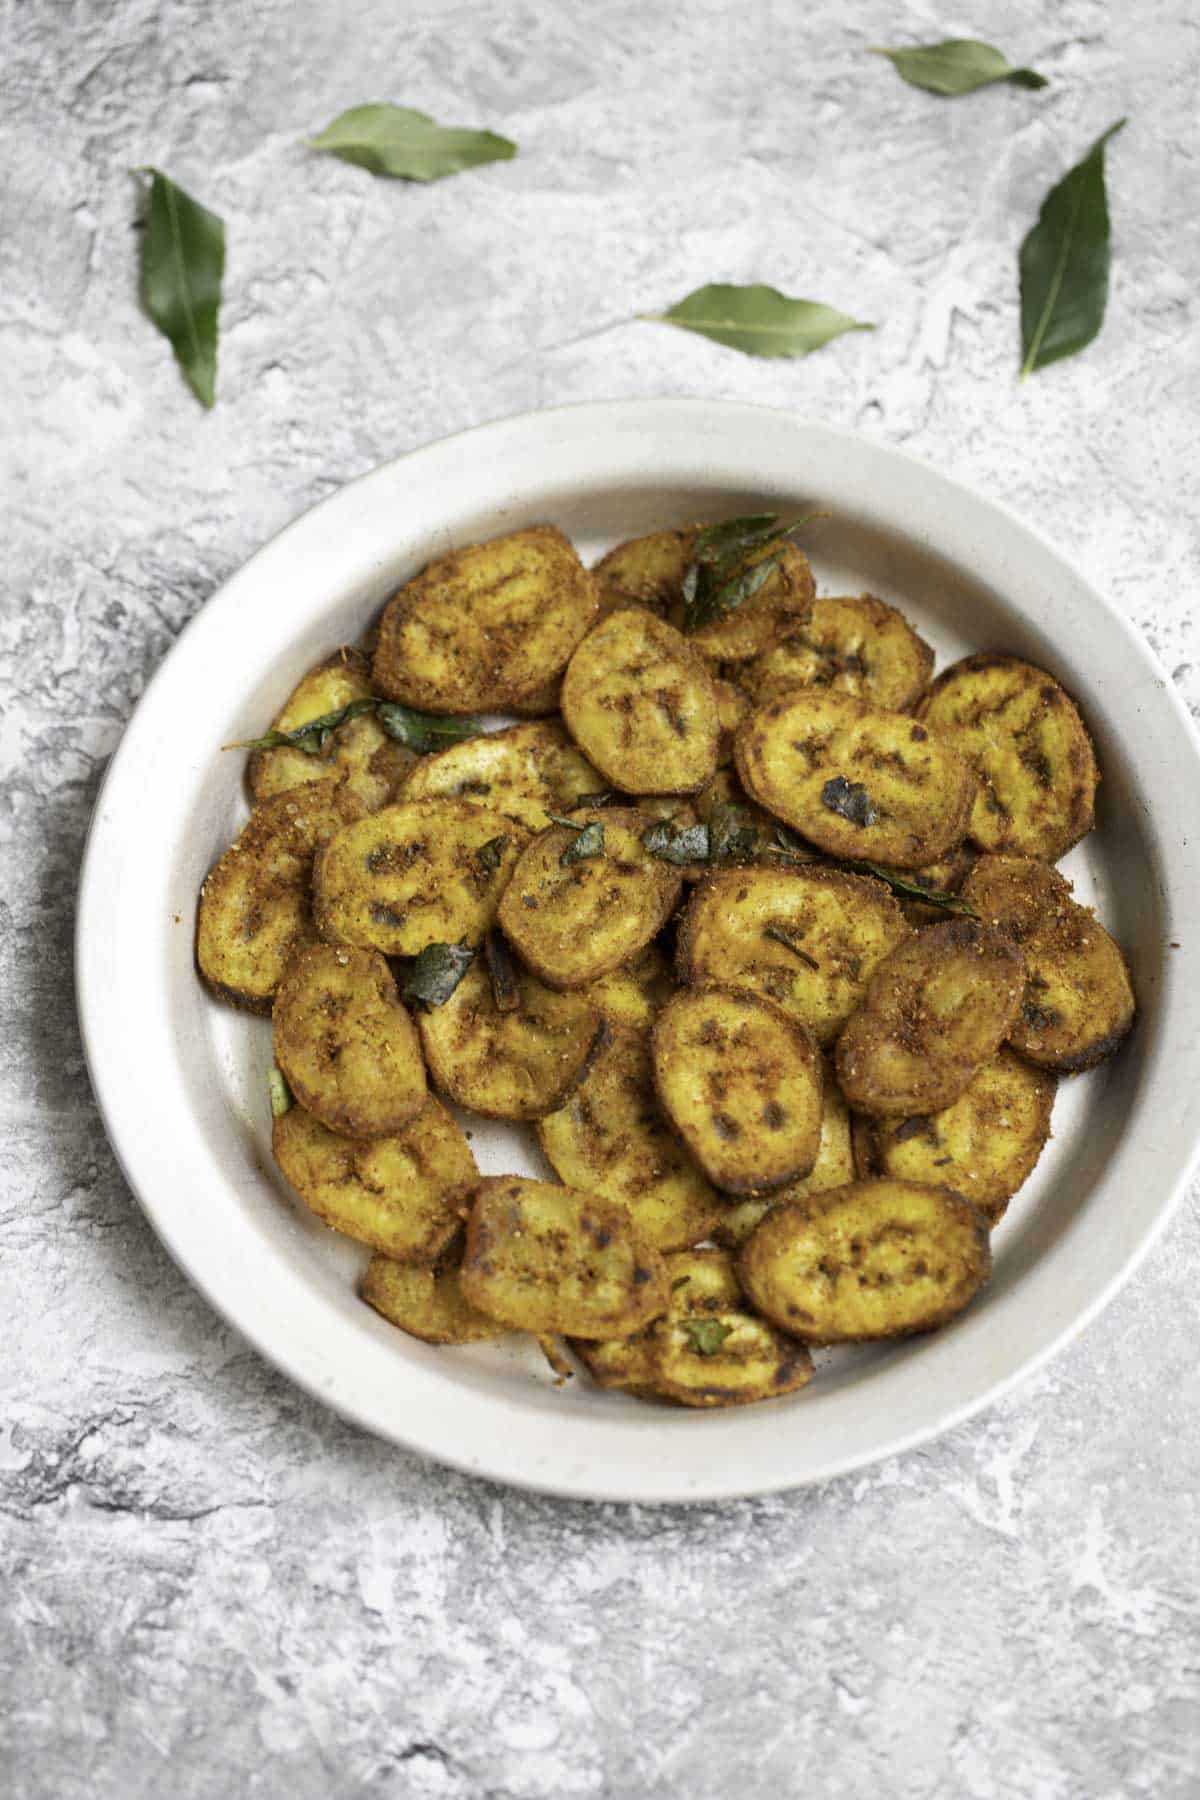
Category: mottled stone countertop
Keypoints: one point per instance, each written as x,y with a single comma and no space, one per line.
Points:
211,1586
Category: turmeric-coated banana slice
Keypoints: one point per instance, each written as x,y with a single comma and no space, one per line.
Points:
358,752
421,872
639,702
629,997
1078,1002
548,1259
1023,736
707,1349
645,571
874,1259
860,646
585,897
346,1043
255,906
399,1193
733,704
740,1081
855,780
513,1063
611,1138
984,1145
835,1165
808,938
426,1302
486,626
524,772
934,1011
781,605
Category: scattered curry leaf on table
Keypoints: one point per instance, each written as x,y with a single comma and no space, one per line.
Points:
758,320
957,66
408,145
183,263
1064,264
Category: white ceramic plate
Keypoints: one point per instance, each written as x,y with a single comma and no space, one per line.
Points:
181,1081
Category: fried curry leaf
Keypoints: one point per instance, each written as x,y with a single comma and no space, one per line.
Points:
758,320
435,973
589,841
733,833
409,145
1064,264
706,1336
420,731
788,941
279,1092
690,844
503,972
183,263
907,887
731,561
489,856
850,800
957,66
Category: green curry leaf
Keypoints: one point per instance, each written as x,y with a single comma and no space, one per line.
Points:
183,263
957,66
406,144
758,320
1064,264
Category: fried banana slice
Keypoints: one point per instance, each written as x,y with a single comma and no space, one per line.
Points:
640,704
577,908
359,752
934,1011
422,872
707,1350
855,780
524,772
1078,1002
984,1145
516,1064
645,571
874,1259
255,909
346,1043
860,646
740,1080
835,1165
548,1259
428,1303
612,1139
733,704
1023,736
809,939
781,605
486,626
629,997
401,1194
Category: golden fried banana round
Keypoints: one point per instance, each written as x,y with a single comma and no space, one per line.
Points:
400,1193
487,626
833,1168
874,1259
336,682
548,1259
573,917
740,1080
421,872
645,571
516,1064
733,704
855,780
1078,1002
611,1138
707,1350
809,939
255,906
934,1011
427,1303
346,1043
524,772
1023,736
781,605
640,704
629,997
984,1145
860,646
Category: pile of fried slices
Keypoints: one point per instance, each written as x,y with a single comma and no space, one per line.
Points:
756,926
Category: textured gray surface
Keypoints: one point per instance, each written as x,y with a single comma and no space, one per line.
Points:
211,1586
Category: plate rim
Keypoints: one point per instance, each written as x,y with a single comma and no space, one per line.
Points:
654,1490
